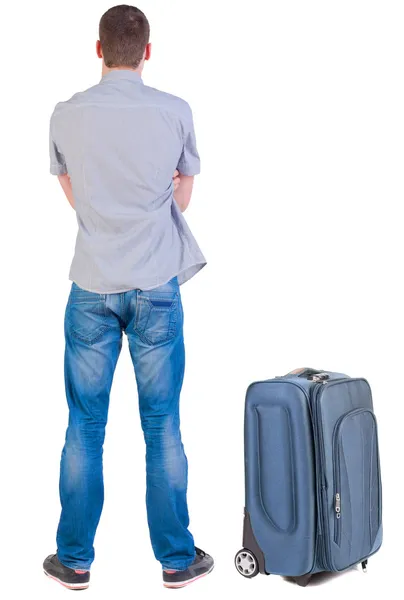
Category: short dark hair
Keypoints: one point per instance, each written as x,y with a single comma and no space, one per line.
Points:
124,35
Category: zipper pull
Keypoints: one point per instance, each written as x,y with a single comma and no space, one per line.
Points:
319,377
338,505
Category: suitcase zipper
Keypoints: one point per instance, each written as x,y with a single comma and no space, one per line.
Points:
321,482
337,531
337,484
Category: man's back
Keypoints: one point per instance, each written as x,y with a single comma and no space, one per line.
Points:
121,141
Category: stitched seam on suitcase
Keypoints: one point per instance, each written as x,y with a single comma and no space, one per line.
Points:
371,488
376,501
363,493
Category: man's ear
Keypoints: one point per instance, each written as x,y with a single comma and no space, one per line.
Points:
98,49
147,52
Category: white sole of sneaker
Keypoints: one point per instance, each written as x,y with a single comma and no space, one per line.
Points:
69,586
185,583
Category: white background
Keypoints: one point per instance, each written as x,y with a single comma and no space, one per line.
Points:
299,115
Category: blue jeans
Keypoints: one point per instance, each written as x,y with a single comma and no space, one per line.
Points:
153,323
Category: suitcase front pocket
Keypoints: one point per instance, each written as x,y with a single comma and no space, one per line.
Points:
357,493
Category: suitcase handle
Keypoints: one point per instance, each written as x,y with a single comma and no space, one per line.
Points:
307,373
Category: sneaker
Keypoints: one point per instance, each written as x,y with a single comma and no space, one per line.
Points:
74,579
202,565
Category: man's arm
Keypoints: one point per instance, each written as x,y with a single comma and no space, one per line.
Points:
183,185
188,164
58,166
67,188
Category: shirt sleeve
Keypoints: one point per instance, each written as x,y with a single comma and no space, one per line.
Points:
189,163
57,160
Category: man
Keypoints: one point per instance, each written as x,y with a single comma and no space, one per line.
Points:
115,148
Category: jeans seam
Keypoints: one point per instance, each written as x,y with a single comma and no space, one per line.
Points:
86,340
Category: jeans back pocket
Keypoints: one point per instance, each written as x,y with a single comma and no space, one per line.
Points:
157,316
85,315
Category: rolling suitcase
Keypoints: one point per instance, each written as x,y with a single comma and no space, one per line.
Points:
312,475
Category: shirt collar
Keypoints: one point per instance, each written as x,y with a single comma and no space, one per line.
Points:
122,74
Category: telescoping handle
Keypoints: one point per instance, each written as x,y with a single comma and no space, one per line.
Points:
311,374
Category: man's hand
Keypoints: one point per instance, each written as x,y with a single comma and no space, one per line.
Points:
67,188
176,179
182,189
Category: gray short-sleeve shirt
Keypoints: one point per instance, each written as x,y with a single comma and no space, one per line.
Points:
120,142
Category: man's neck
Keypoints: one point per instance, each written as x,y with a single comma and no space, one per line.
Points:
106,70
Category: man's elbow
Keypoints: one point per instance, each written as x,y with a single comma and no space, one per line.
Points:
185,202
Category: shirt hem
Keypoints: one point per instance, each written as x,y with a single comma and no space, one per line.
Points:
183,276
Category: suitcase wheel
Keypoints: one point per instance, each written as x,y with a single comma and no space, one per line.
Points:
246,563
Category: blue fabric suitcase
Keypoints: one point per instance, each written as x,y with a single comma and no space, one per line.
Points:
312,475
